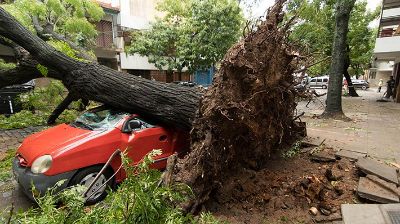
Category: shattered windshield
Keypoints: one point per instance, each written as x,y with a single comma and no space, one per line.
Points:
99,119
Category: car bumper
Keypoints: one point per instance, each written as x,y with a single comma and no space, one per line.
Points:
42,183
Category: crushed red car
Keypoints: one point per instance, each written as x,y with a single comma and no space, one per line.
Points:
76,152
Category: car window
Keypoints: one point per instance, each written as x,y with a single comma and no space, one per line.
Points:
319,80
325,80
313,80
102,119
145,124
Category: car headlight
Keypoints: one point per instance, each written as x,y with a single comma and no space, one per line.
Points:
42,164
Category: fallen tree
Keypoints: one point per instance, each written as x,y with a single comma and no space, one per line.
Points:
248,112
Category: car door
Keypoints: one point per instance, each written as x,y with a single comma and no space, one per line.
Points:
147,138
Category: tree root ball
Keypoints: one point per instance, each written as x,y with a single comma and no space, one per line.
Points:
246,114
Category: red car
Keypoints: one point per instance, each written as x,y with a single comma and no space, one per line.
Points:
76,152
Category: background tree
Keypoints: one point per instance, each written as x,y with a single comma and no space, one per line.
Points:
195,38
339,59
314,35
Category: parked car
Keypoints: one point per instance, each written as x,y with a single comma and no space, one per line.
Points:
359,83
76,152
319,82
9,103
185,83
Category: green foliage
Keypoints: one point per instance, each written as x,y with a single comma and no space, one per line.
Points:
5,165
38,105
313,33
293,151
42,69
195,38
6,66
139,199
74,18
22,119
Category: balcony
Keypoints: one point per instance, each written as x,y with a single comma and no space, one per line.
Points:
390,13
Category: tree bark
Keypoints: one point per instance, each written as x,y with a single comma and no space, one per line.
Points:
334,97
247,113
166,103
352,90
60,108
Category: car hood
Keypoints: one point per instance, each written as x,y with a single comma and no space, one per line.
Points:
52,140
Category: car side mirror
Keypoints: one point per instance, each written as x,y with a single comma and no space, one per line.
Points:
134,124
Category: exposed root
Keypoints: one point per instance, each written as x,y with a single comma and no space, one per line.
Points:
247,113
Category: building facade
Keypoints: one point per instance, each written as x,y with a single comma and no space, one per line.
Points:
122,17
386,61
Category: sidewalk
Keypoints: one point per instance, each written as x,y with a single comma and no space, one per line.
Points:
374,128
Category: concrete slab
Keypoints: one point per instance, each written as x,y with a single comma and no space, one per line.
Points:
383,171
372,191
362,214
389,186
355,155
322,157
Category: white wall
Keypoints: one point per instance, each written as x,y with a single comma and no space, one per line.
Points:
384,65
135,62
137,14
387,44
387,13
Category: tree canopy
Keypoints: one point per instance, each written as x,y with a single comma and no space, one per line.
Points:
192,33
68,25
314,33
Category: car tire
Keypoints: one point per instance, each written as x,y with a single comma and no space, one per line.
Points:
324,87
86,176
364,88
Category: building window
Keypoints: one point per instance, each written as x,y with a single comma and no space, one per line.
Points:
105,34
372,75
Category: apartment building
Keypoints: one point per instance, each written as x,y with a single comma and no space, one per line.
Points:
387,47
122,17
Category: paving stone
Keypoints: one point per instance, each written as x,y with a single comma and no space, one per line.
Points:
350,154
374,192
322,157
383,171
362,214
389,186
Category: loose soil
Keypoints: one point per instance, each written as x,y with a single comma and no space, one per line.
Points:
285,189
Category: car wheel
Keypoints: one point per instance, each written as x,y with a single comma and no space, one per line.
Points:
364,88
98,192
324,87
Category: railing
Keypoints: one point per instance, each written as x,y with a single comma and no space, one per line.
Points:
388,32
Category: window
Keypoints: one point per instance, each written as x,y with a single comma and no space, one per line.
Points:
325,80
319,80
105,34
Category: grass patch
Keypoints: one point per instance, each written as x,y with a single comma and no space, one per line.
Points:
5,165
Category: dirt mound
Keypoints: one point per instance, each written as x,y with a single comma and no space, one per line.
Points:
285,190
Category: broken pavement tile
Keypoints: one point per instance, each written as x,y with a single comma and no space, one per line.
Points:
372,191
322,157
389,186
383,171
350,154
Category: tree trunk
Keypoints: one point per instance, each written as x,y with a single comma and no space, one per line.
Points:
60,108
247,113
169,104
334,97
352,90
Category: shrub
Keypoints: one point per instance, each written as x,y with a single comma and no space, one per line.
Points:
139,199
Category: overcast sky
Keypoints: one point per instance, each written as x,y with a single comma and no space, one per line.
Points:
264,4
